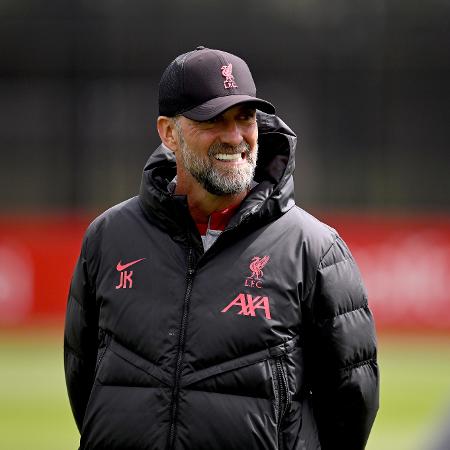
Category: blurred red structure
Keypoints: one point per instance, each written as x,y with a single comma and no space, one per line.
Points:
405,262
37,256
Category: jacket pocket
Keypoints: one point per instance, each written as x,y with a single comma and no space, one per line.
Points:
123,367
244,393
104,338
282,395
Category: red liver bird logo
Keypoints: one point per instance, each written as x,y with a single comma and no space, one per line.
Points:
256,266
227,72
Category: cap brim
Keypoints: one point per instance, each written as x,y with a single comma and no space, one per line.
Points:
218,105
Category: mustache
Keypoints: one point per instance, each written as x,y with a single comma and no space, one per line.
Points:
219,147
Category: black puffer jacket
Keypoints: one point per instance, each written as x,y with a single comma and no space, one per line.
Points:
265,341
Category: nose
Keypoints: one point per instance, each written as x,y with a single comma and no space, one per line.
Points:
231,133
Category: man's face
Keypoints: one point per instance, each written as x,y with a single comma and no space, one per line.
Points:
220,153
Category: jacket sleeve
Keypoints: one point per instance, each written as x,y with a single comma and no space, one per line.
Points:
80,338
341,353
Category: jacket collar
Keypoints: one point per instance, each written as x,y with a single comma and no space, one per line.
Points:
272,197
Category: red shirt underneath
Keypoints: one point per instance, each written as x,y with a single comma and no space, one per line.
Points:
218,220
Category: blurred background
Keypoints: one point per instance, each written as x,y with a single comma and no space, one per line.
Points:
365,85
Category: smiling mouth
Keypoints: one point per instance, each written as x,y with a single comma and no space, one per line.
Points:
232,157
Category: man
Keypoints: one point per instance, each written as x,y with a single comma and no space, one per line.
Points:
210,312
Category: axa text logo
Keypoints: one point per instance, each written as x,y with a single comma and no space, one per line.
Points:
256,266
249,304
126,280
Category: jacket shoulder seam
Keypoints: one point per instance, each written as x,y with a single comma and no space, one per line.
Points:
319,264
327,251
348,258
364,306
359,364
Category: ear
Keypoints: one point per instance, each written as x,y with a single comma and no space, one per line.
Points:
167,132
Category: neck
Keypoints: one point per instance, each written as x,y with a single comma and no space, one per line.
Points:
202,203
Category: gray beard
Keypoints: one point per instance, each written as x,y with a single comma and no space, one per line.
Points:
223,181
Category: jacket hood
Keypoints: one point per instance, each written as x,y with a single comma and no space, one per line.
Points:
272,197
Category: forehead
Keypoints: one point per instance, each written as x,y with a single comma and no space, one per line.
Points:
247,108
233,111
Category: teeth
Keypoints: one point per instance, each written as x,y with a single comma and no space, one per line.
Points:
228,157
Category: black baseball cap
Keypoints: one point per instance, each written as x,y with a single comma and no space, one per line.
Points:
205,82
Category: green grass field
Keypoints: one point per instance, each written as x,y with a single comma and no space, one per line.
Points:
35,413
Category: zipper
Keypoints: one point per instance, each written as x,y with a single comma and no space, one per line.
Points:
281,389
282,395
181,341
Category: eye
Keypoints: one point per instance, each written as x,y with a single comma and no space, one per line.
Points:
213,120
248,117
247,114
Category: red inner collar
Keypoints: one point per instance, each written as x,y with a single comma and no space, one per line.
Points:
218,220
